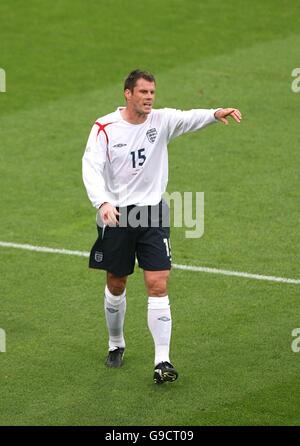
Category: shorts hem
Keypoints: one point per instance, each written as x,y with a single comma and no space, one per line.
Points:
109,270
155,268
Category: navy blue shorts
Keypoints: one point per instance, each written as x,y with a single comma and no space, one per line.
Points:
143,233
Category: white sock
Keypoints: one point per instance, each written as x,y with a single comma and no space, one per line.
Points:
115,308
160,326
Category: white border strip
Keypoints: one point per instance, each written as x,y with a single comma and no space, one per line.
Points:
203,269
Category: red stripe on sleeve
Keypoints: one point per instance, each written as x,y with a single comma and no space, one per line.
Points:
102,129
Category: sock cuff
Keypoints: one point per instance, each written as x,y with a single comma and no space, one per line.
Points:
158,303
112,299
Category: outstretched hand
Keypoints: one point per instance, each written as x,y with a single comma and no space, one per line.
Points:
222,114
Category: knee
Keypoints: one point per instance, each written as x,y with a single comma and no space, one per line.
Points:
116,285
157,285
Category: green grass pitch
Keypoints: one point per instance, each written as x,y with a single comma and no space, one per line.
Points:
65,63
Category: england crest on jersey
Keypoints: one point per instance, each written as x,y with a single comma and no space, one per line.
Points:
151,135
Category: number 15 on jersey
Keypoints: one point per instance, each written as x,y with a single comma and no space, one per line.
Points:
138,157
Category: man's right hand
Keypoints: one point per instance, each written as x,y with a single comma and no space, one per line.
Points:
109,214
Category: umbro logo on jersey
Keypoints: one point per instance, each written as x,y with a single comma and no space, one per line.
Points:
120,145
151,135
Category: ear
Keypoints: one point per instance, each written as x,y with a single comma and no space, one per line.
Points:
127,94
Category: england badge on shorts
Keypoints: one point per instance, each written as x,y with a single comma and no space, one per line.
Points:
98,256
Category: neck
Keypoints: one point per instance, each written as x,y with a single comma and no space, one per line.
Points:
132,116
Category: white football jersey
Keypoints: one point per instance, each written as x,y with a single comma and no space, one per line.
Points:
127,164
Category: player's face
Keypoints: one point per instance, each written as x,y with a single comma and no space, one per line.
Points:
142,98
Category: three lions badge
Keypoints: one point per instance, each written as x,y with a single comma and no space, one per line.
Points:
151,135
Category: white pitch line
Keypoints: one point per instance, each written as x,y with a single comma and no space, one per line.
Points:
44,249
225,272
203,269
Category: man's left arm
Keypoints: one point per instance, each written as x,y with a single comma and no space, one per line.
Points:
180,122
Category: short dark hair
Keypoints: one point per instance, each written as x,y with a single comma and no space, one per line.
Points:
132,78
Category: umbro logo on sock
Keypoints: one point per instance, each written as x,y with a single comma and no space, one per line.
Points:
112,310
164,318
